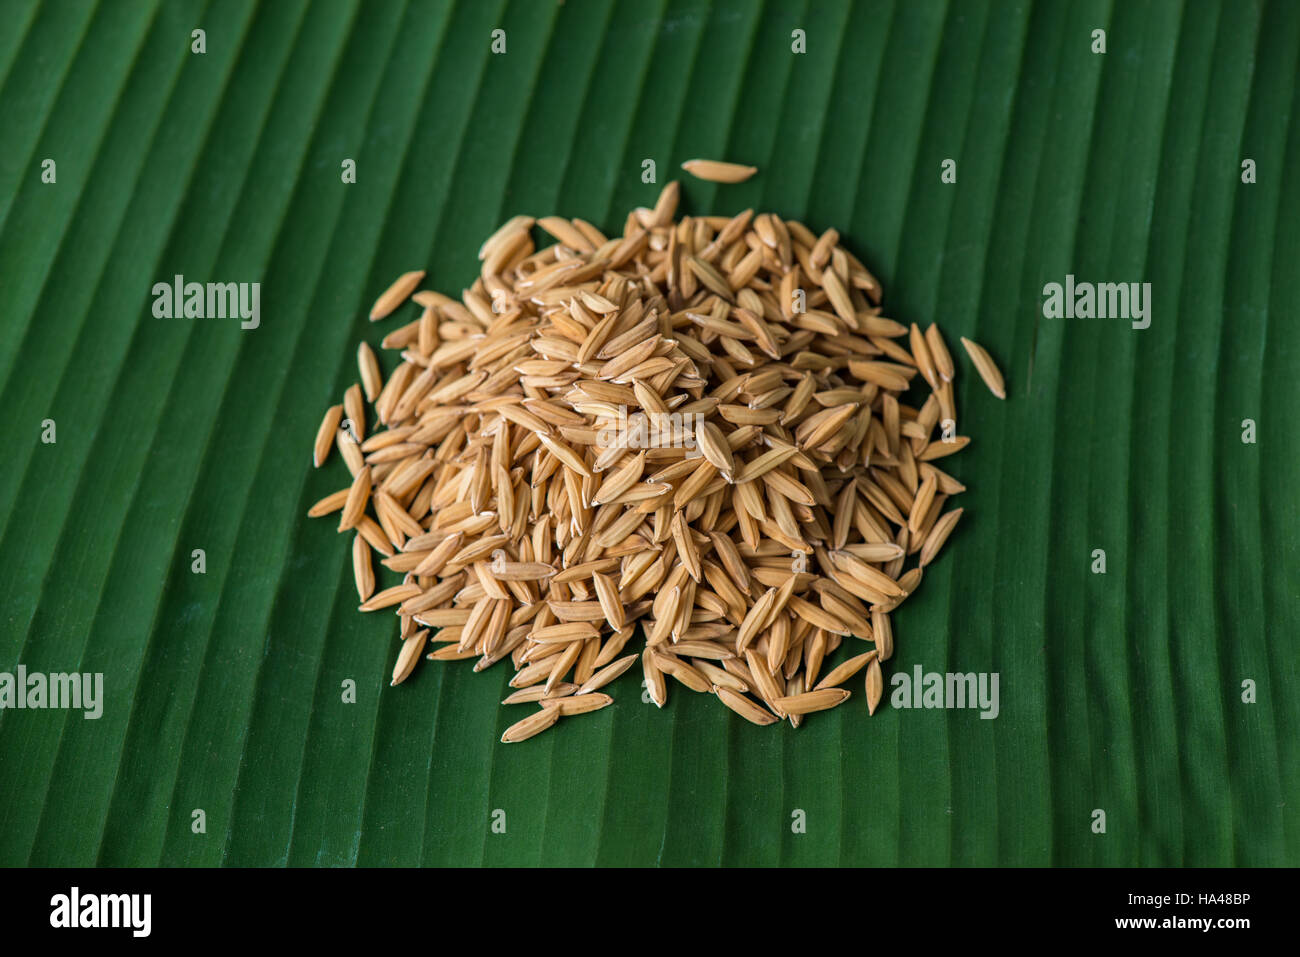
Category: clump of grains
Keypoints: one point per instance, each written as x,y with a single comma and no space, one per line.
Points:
699,429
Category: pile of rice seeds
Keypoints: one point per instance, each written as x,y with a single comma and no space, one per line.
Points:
697,426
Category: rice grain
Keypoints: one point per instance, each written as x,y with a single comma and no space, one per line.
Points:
716,171
396,294
325,434
986,367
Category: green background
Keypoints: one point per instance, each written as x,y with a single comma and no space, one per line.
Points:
1119,691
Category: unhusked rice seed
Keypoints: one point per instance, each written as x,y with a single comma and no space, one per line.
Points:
719,172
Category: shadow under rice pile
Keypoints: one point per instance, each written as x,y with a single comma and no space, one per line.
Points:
699,427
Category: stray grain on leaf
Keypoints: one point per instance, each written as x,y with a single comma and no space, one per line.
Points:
986,367
717,171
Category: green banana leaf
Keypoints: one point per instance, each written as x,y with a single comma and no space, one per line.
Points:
1148,715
